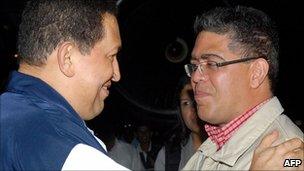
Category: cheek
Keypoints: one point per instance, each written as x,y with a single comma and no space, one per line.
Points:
187,115
222,83
88,71
101,74
107,70
193,117
93,80
183,112
192,85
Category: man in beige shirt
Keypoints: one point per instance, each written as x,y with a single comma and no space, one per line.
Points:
233,72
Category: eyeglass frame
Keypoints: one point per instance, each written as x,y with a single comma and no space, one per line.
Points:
217,64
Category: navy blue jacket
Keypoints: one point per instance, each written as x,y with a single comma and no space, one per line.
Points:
38,126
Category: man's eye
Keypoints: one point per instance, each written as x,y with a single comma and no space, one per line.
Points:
211,64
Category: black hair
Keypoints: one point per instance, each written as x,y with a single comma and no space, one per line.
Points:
47,23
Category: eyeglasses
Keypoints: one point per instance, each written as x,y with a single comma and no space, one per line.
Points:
212,65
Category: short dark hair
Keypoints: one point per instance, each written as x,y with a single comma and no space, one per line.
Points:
47,23
251,31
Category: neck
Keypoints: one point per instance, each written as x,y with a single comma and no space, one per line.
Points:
53,77
35,71
254,101
44,72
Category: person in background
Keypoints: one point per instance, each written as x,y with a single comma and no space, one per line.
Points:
233,73
188,136
120,151
67,51
127,133
146,149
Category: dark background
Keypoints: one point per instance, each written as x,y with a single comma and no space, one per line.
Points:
146,92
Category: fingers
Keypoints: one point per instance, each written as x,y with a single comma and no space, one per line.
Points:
268,157
267,141
298,154
290,146
295,149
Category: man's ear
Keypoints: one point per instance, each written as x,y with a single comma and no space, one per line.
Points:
64,59
259,70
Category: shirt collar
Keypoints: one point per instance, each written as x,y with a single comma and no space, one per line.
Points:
246,136
220,135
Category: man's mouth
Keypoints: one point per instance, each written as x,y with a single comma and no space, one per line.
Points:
201,94
106,88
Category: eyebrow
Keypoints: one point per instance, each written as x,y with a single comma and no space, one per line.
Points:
116,52
208,55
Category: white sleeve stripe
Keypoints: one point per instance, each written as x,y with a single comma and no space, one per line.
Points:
84,157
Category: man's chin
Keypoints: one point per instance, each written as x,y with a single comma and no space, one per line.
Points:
97,111
100,109
205,116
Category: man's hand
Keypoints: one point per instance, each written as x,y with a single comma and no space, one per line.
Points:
267,157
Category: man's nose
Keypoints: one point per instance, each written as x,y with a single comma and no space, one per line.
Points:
198,75
116,71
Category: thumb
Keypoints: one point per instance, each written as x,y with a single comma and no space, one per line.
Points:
267,141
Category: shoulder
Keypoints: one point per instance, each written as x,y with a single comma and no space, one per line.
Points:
21,107
286,128
193,161
162,151
36,131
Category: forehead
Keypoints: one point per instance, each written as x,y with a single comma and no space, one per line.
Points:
111,31
187,87
210,43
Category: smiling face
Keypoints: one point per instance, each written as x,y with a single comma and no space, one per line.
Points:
96,70
219,94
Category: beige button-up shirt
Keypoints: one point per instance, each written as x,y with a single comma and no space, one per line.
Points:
237,153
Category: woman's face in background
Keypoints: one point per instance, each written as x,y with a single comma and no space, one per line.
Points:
188,110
